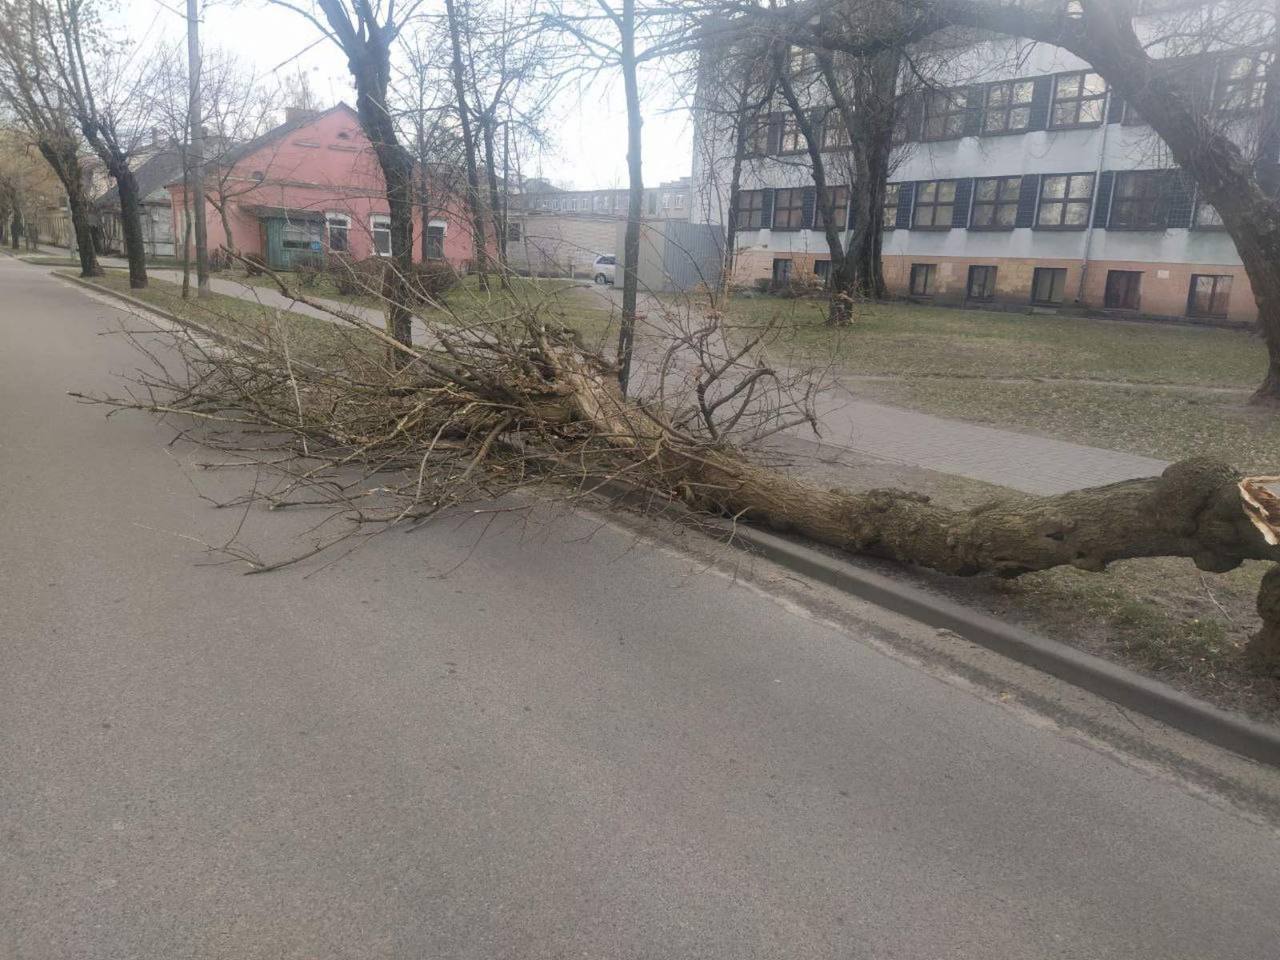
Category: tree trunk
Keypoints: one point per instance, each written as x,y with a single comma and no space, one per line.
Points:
495,211
474,201
1265,646
844,279
63,160
635,196
743,119
15,230
135,249
221,207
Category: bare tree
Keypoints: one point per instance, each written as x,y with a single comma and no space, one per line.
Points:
103,81
29,89
623,35
475,197
366,31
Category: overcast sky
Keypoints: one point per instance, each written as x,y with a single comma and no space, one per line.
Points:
590,132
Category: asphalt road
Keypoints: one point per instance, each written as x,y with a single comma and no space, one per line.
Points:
566,748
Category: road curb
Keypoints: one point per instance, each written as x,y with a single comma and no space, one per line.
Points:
1131,690
1144,695
152,309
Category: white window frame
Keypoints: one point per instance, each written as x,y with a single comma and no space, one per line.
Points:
380,222
342,221
444,232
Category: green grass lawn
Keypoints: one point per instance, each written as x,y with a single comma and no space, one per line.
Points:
565,301
318,341
1164,390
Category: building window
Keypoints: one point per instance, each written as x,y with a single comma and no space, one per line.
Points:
514,231
1066,200
922,279
1210,295
840,202
944,113
758,136
935,205
891,193
835,135
995,203
1207,216
339,232
791,139
1140,200
788,209
1048,285
982,283
781,272
1242,83
1078,99
300,235
381,229
1008,106
435,241
679,201
822,270
1124,289
750,209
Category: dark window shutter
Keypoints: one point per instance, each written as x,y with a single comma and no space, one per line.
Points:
906,197
809,199
1181,199
850,212
1027,197
973,110
964,193
766,210
1040,98
1115,109
913,116
775,133
1102,199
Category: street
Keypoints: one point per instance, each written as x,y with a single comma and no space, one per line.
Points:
541,744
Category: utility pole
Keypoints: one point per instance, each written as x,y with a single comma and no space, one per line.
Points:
195,119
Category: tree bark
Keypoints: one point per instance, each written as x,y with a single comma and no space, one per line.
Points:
1194,509
135,249
742,120
368,51
1265,646
635,194
66,165
843,274
495,211
474,202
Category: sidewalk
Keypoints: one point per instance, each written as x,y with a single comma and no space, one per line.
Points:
1021,461
1024,462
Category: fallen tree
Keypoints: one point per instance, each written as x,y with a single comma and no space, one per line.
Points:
508,398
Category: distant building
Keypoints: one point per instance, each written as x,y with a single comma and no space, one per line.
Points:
153,176
312,186
667,201
1021,182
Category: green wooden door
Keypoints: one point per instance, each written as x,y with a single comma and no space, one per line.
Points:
293,243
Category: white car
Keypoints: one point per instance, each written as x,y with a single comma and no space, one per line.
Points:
605,269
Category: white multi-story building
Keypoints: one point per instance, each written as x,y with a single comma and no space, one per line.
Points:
1022,182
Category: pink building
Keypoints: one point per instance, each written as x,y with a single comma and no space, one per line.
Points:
311,186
